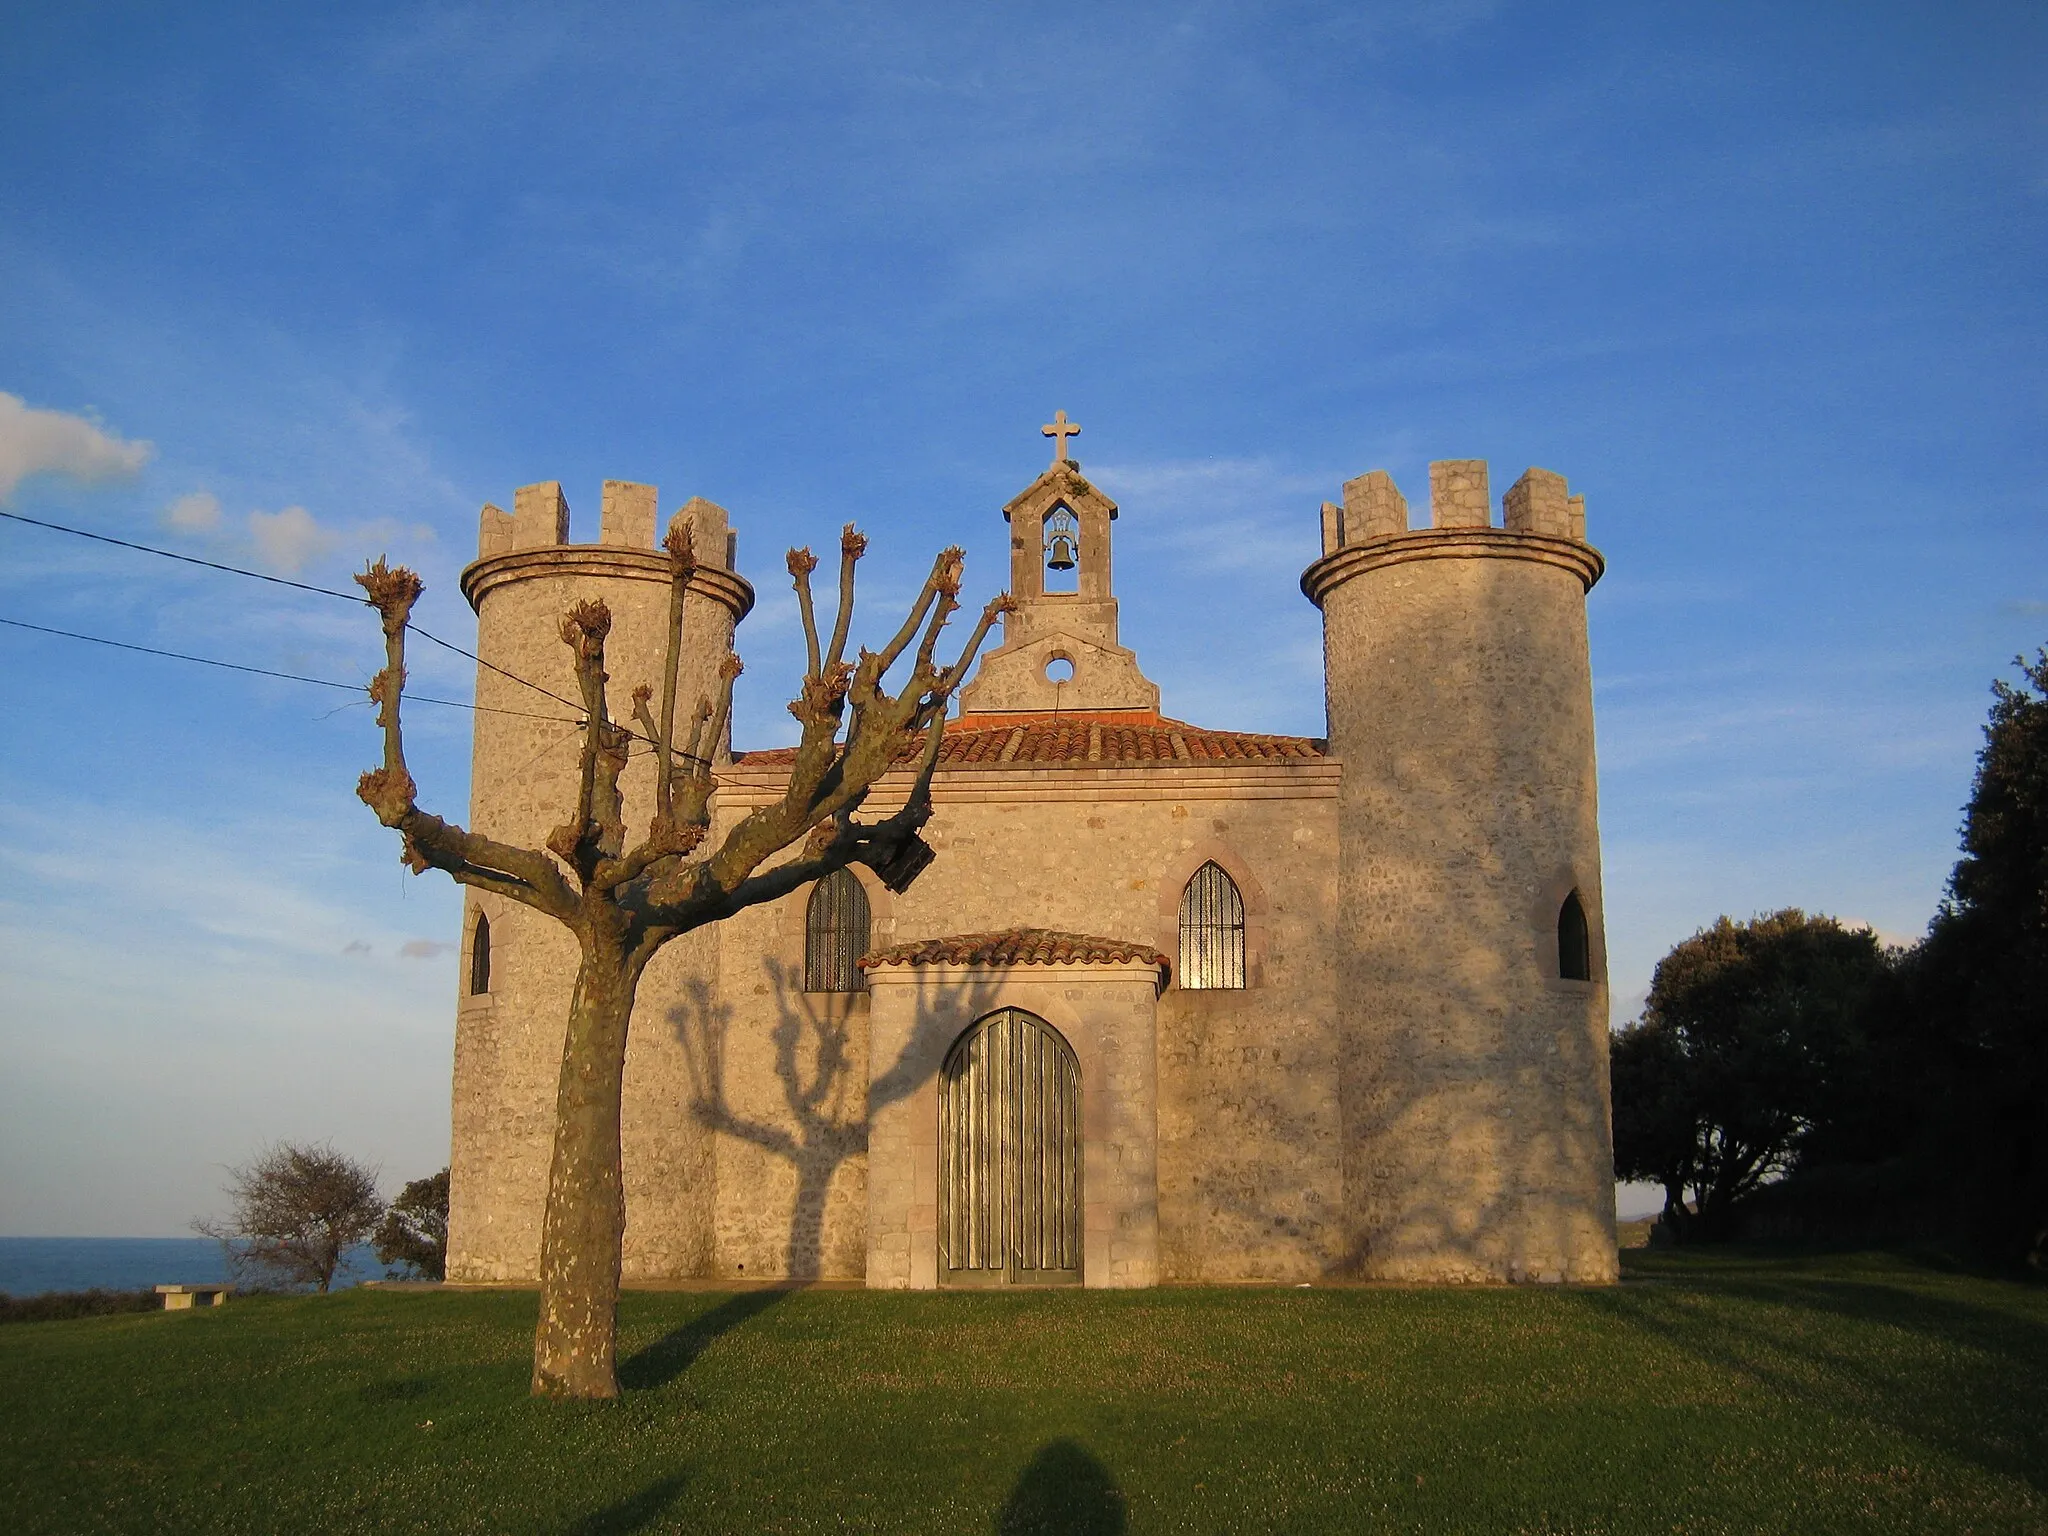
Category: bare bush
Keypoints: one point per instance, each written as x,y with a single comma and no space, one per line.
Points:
294,1211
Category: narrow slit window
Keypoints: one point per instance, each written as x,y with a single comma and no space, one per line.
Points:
480,957
1211,931
835,934
1574,941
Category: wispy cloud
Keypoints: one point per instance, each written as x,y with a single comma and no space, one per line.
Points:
290,540
195,512
41,442
1221,514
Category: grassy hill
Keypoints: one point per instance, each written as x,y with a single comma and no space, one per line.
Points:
1726,1393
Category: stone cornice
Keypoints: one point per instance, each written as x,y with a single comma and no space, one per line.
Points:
742,788
1332,571
728,588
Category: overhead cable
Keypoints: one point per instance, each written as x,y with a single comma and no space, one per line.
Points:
290,677
347,597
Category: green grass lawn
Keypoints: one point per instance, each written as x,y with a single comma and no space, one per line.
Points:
1725,1393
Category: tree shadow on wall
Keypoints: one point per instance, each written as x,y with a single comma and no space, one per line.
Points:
826,1107
1063,1492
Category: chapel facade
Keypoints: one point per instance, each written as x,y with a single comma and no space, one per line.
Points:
1171,1004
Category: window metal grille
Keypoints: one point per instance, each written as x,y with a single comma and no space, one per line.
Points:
1211,931
1574,941
835,934
480,957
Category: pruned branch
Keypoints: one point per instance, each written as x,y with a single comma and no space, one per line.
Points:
429,842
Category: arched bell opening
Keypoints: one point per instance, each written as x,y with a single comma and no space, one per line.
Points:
1062,551
1010,1155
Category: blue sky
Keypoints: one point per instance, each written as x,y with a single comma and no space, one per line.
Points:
1764,281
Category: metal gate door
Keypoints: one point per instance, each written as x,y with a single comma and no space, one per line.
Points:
1010,1155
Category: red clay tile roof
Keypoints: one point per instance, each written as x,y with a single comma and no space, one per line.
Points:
1109,739
1015,946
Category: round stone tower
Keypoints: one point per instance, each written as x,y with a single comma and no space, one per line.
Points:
1472,1028
517,965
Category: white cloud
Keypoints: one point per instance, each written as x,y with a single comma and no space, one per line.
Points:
289,540
1219,515
423,949
198,512
39,442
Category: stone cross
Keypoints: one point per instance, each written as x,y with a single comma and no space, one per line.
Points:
1059,430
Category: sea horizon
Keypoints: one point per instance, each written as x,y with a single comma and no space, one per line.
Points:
36,1266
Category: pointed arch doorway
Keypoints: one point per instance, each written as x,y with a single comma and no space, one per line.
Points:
1010,1155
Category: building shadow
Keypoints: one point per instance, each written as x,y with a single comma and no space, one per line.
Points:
674,1352
1063,1492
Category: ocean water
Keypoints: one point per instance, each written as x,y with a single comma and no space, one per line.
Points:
30,1266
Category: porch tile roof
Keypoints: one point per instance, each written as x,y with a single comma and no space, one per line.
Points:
1015,946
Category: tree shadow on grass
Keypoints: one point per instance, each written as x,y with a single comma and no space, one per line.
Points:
1980,1393
630,1514
673,1353
1063,1492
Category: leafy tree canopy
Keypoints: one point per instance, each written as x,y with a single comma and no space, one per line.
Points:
414,1232
1751,1036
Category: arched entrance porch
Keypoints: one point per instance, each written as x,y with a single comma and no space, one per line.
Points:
1010,1155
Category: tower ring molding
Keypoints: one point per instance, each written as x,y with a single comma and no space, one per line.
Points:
1332,571
729,589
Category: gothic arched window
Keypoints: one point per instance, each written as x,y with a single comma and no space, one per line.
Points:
1211,931
835,934
480,957
1574,941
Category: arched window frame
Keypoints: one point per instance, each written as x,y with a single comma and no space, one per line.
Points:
1212,950
480,956
838,926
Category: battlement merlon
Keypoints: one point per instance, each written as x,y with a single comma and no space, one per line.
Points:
533,540
1374,508
1541,520
627,519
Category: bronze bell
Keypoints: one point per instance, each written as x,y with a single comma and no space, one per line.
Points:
1062,557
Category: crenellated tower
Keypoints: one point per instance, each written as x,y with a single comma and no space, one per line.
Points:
1472,1055
518,966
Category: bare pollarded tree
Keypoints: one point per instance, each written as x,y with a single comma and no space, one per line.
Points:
623,904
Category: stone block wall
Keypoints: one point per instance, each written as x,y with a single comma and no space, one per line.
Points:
1473,1080
523,784
1245,1097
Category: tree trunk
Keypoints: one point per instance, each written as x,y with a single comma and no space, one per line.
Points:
574,1352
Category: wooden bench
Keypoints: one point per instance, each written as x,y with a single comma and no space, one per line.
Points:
178,1298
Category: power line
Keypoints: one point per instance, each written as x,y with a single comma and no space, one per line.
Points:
168,554
347,597
290,677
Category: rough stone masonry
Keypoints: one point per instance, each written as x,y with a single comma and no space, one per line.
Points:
1303,1009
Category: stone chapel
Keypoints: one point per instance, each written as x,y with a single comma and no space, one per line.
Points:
1173,1003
